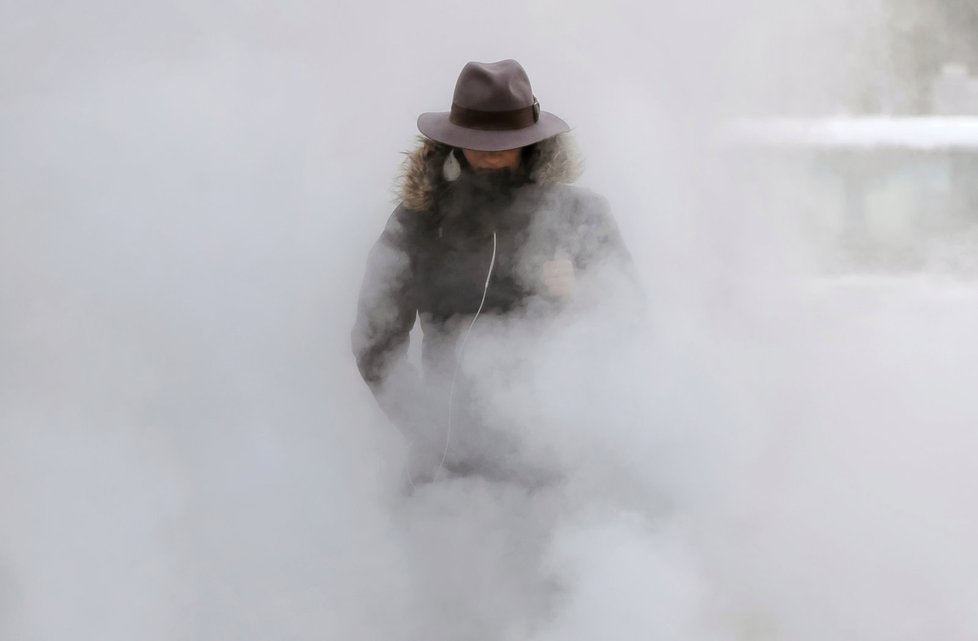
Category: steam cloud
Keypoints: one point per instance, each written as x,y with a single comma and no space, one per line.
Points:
187,197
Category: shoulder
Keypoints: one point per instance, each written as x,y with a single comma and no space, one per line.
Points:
405,226
402,222
577,204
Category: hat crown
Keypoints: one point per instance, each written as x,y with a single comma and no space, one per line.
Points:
493,86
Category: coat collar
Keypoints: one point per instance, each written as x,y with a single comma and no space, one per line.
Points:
422,176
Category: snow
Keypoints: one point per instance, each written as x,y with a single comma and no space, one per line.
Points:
924,133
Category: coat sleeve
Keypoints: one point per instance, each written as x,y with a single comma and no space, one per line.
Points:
386,309
597,239
598,249
386,313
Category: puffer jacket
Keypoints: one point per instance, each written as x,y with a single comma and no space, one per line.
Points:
433,258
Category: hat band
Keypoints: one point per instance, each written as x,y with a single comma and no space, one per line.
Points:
495,120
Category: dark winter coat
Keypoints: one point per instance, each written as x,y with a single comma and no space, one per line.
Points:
433,257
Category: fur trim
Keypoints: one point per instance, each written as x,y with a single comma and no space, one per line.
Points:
556,161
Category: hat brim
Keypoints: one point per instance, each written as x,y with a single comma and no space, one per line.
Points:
438,127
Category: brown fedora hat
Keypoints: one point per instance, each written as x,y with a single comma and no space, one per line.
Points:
493,109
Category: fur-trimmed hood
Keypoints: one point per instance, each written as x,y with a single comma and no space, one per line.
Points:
555,160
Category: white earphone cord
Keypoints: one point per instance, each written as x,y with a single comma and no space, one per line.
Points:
458,357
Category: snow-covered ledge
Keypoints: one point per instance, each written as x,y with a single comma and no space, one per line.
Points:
842,132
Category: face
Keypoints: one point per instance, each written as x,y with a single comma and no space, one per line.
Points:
508,159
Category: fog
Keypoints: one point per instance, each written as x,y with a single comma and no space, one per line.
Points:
779,448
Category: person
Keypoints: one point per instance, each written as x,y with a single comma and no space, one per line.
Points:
489,225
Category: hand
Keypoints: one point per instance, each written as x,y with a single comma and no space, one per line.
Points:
558,277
